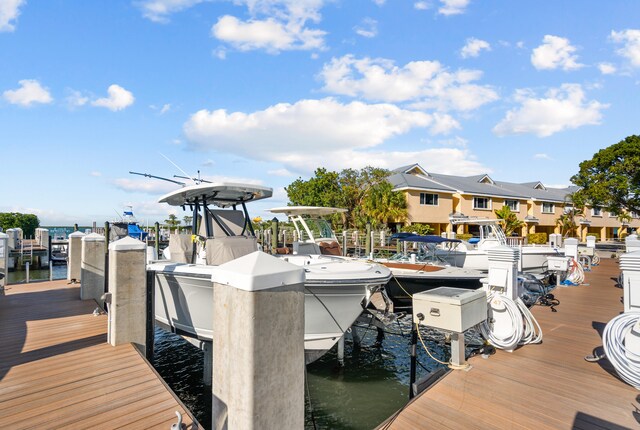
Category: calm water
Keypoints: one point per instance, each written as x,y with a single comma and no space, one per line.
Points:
18,276
372,385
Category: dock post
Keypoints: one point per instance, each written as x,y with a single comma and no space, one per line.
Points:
258,350
156,230
150,317
368,246
4,260
414,359
344,242
74,257
127,275
341,351
26,266
92,268
274,234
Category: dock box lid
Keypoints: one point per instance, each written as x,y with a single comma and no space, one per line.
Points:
454,296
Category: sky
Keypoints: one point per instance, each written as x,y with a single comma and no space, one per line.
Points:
266,91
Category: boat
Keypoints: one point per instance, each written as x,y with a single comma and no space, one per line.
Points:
335,290
126,226
423,270
472,254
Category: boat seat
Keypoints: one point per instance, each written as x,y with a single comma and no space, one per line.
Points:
180,248
330,248
283,250
220,250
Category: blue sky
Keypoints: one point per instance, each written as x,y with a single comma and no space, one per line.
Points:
265,91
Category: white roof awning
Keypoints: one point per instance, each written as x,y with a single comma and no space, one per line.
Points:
220,194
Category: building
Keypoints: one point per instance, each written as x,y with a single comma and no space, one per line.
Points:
435,199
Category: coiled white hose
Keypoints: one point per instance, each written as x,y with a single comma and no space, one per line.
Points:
524,327
626,363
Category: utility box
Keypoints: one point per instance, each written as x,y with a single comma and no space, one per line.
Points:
586,251
450,309
558,264
555,240
630,266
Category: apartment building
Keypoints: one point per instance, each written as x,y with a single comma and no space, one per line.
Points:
436,199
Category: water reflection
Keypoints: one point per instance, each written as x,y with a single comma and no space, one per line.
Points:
371,386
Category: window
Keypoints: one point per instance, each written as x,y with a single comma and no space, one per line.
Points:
547,208
428,199
596,211
481,203
514,205
568,209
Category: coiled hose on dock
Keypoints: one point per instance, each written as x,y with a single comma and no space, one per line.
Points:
626,363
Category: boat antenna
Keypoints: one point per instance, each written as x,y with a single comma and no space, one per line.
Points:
199,180
117,213
146,175
178,167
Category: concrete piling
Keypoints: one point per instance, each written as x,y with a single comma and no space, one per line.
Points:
127,285
92,268
258,349
74,255
4,259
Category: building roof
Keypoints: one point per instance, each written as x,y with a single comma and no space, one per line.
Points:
481,185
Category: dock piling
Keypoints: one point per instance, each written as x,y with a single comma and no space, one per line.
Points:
258,350
127,275
74,257
92,268
4,259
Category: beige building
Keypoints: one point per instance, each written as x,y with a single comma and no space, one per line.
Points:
436,199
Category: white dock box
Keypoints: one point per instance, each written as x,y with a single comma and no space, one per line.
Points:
560,264
450,309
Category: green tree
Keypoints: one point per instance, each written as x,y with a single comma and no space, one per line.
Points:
419,228
567,222
27,222
611,179
172,222
381,204
508,220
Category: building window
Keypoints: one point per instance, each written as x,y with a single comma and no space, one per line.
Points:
428,199
481,203
514,205
568,209
548,208
634,215
596,211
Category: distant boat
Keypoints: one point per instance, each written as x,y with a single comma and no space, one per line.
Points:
126,226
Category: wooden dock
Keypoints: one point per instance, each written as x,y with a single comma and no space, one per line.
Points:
546,386
57,371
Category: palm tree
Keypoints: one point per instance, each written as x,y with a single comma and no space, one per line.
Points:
382,204
567,222
173,221
508,220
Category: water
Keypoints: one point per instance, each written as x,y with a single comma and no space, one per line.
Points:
20,276
372,385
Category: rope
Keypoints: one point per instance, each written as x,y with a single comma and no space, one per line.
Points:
449,363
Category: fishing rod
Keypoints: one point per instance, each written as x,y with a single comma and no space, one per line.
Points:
146,175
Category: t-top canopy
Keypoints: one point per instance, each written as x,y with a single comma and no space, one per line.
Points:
221,194
306,210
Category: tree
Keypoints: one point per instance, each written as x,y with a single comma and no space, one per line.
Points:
365,193
567,222
27,222
611,179
508,220
172,222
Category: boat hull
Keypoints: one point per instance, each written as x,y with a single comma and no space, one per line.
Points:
184,299
534,259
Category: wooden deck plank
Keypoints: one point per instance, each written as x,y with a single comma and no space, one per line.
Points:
546,386
57,371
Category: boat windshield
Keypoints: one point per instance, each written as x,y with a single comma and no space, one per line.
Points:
319,228
426,253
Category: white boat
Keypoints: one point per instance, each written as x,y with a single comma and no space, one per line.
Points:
473,254
335,290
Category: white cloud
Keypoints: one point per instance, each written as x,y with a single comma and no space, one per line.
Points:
425,83
165,108
29,93
562,109
96,174
9,11
159,10
368,28
118,99
631,41
607,68
379,2
301,134
208,163
473,47
541,156
422,5
76,99
279,172
555,52
275,25
453,7
220,53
